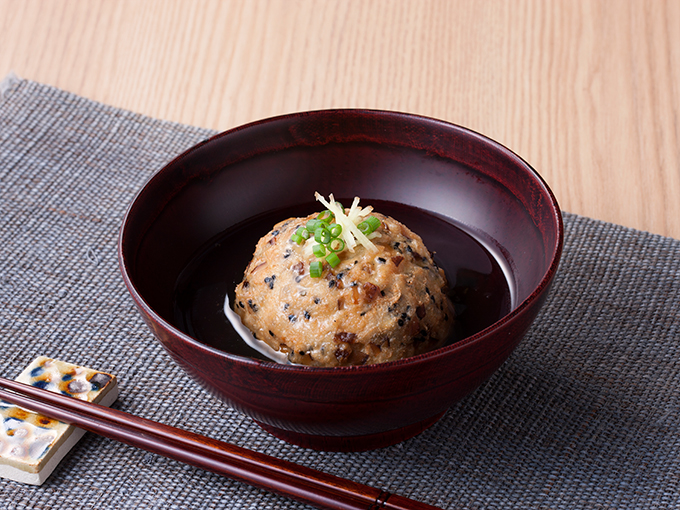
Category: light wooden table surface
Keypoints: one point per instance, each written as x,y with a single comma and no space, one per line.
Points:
587,91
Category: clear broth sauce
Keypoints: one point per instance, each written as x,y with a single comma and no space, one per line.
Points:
478,286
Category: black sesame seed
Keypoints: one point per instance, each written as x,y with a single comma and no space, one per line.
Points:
252,305
381,260
287,253
331,284
307,315
286,306
271,333
292,318
240,303
269,280
317,301
400,322
275,232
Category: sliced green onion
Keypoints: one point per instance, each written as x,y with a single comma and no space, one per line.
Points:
336,245
333,259
340,206
296,238
313,224
303,232
319,250
325,216
369,225
315,269
322,235
336,230
373,222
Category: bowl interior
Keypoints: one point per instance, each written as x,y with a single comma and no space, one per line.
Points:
246,179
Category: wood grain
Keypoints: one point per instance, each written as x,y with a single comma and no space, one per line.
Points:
587,91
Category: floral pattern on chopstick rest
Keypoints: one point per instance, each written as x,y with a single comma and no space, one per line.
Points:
32,445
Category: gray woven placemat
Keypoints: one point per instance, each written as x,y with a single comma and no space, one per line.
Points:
585,414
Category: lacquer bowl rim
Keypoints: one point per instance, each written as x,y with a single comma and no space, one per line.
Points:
446,351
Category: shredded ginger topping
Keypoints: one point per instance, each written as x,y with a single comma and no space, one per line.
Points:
350,233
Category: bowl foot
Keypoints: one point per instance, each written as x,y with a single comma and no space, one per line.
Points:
351,443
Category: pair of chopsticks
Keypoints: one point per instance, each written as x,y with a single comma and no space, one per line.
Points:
313,487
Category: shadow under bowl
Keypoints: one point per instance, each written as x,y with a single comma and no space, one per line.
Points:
456,185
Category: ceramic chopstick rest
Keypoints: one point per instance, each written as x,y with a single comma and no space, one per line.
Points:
32,445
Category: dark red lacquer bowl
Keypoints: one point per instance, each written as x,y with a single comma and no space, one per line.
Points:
451,172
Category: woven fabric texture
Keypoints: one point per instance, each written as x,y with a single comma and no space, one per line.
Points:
585,413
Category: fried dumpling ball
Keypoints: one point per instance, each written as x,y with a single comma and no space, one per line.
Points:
382,301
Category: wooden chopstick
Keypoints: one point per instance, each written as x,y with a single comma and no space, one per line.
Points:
301,483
